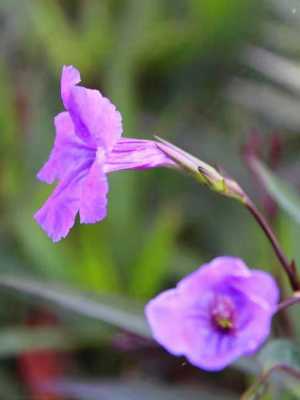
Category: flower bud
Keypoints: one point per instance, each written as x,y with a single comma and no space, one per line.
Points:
203,172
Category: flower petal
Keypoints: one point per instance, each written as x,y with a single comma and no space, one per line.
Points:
68,153
211,275
93,202
165,316
96,119
85,190
70,77
136,154
57,216
256,328
209,349
261,288
216,349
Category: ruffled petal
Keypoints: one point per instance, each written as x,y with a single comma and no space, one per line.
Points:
136,154
96,119
68,153
93,202
69,78
57,216
85,190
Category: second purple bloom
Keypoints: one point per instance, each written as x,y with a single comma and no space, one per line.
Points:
216,314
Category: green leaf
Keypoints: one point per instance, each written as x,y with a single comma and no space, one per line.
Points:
281,192
280,359
119,312
280,351
153,262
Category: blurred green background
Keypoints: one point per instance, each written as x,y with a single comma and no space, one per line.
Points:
207,75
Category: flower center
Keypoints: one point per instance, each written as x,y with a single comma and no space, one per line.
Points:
222,313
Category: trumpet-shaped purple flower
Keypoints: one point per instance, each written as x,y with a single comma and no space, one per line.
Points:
88,146
218,313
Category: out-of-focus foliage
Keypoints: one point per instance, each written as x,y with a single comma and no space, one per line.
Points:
201,73
280,191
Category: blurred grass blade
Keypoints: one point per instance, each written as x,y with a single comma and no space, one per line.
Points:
288,234
281,192
280,69
118,312
100,273
131,390
267,101
53,262
14,341
111,310
8,118
153,262
64,43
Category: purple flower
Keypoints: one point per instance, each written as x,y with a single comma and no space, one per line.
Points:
88,146
216,314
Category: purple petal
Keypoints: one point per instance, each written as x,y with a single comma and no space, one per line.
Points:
69,78
261,289
96,119
84,190
211,275
136,154
57,216
216,350
68,152
256,328
93,201
207,348
164,314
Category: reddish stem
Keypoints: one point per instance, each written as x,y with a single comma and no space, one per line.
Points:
289,302
287,266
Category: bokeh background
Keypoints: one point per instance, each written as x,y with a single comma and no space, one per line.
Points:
215,77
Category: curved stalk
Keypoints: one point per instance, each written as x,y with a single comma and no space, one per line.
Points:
288,266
